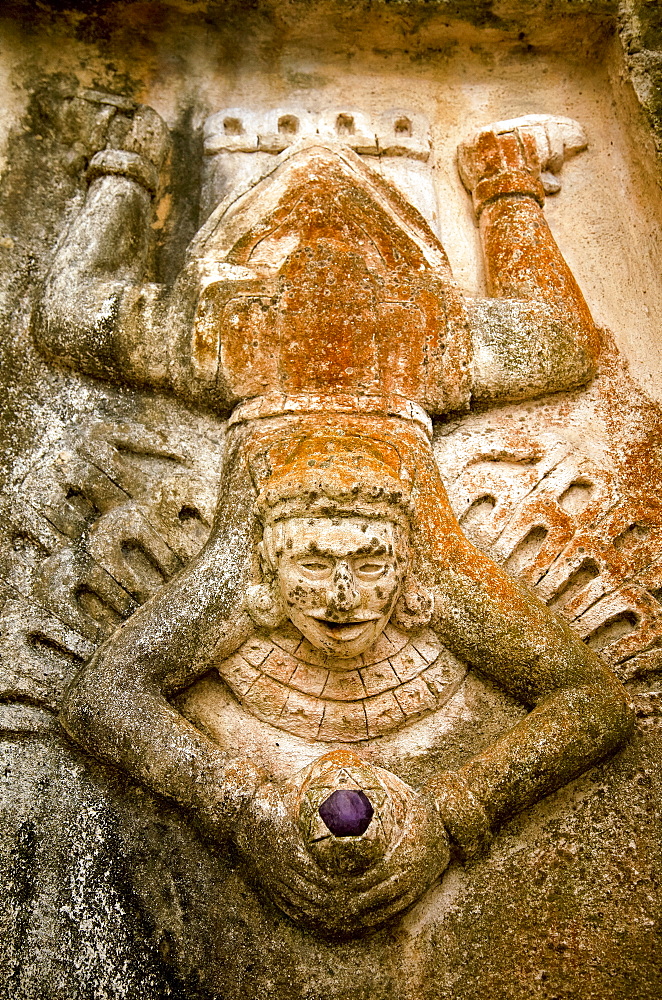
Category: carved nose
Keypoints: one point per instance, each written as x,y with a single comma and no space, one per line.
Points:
343,595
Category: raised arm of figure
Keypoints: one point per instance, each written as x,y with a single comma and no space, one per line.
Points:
580,711
118,708
98,313
536,334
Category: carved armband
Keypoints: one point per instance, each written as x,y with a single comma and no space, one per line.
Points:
509,182
122,163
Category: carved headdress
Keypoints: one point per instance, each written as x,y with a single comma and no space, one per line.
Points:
336,475
336,471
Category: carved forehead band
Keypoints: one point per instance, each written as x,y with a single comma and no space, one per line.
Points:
335,478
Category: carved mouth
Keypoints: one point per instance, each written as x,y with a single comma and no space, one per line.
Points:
339,627
345,631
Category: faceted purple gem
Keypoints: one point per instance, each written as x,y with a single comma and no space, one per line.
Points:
347,813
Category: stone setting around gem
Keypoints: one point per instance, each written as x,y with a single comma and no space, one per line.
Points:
347,812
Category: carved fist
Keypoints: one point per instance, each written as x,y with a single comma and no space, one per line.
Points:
518,156
117,136
325,897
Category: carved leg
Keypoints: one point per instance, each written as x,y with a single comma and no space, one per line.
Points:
97,315
543,338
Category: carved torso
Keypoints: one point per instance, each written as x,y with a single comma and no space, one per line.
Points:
333,272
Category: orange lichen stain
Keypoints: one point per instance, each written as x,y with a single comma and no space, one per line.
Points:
162,211
523,262
354,306
635,425
339,757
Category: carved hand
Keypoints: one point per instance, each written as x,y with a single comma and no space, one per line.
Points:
270,839
518,156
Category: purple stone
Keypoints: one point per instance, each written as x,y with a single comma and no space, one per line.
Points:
347,813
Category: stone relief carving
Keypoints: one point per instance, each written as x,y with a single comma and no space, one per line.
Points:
240,145
333,595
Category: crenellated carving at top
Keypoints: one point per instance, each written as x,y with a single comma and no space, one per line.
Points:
392,133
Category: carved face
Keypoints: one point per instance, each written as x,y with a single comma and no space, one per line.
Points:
340,578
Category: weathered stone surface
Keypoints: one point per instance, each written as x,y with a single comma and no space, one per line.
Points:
110,492
640,31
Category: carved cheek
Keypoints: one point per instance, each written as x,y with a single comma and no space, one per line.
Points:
302,593
381,594
391,588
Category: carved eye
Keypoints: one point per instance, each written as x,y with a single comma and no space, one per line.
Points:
315,568
371,570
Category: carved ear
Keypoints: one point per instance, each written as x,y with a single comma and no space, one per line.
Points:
414,607
264,605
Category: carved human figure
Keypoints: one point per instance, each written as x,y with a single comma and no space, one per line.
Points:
337,598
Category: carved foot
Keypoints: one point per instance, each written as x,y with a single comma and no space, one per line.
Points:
117,136
518,156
